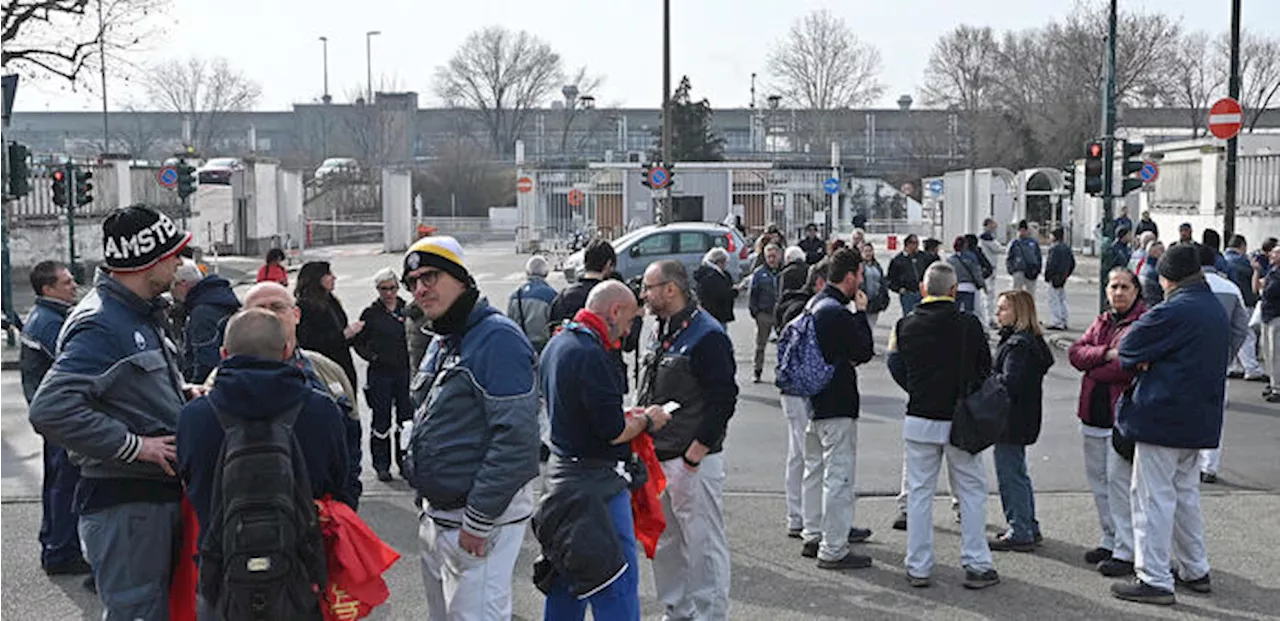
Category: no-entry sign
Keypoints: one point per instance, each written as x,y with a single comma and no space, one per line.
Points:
575,197
1225,118
524,185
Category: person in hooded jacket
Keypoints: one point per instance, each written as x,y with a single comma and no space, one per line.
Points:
1102,384
1021,362
209,302
716,292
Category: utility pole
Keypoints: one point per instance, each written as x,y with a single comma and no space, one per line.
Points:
664,215
102,60
368,60
1233,145
324,45
1108,158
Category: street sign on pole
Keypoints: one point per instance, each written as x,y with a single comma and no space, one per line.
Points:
831,185
1149,173
1225,118
524,185
659,177
935,187
168,177
575,197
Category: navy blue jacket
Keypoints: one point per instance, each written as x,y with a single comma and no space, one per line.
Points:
583,390
1060,265
40,342
766,283
1177,401
254,389
1240,271
1270,298
1024,256
845,340
209,304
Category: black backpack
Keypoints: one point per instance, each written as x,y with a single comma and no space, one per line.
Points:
262,558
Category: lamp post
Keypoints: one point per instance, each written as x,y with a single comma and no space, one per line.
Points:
368,56
324,43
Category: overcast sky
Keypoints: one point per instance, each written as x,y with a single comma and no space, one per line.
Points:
718,43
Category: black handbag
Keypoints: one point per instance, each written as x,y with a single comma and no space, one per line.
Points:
980,413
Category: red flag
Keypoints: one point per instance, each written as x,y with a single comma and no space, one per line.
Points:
645,503
182,586
357,559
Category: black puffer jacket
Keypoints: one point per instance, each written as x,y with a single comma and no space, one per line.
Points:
1021,362
573,526
715,292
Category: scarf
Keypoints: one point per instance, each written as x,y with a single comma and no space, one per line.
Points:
598,326
454,320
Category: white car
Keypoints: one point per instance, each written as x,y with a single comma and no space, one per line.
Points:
337,165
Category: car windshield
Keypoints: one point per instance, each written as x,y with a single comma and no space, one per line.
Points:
221,162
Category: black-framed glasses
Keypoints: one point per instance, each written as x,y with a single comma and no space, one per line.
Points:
429,278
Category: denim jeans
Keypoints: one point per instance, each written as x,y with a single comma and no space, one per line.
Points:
909,301
966,301
1016,493
621,599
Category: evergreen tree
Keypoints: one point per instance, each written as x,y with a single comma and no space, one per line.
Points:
691,137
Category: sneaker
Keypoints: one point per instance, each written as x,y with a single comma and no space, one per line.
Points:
1208,477
384,476
1143,593
974,580
1199,585
1257,378
75,567
1272,397
901,522
1097,555
850,561
1115,568
794,533
810,549
1007,544
859,535
1235,374
918,582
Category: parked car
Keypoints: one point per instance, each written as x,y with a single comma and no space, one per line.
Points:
218,170
346,166
686,242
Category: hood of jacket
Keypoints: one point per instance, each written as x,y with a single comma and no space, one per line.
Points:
1041,355
254,388
213,290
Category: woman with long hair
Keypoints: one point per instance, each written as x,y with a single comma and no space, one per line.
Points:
323,327
873,284
1021,362
273,269
1103,382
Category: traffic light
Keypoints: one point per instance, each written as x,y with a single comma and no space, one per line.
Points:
1132,165
186,179
1069,181
644,175
84,189
1093,168
19,185
60,187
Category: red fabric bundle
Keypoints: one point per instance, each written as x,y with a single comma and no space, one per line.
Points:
645,504
183,584
357,559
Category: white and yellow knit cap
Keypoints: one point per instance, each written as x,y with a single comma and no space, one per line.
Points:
442,252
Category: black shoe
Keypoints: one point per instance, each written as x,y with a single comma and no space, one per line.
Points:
1115,568
89,584
810,549
1097,555
850,561
1235,374
1005,544
794,533
1272,397
384,476
1199,585
859,535
975,580
757,378
901,522
75,567
1143,593
1264,378
918,582
1208,477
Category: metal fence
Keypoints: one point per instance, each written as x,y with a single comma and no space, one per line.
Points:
1258,183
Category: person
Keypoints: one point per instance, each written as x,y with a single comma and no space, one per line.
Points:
1147,225
1139,255
1227,294
797,409
590,439
991,251
55,291
1021,362
209,303
111,399
598,261
1240,271
813,246
1181,342
1269,299
273,269
795,270
1123,221
1102,384
530,305
762,302
831,437
689,362
932,383
906,270
1023,260
1119,253
969,273
1151,291
873,284
324,327
416,334
383,344
475,449
1184,234
857,238
716,292
1057,269
772,235
1261,260
930,251
1211,239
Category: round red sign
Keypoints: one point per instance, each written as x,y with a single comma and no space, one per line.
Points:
1225,118
524,184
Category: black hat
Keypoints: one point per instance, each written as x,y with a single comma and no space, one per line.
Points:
1179,262
137,237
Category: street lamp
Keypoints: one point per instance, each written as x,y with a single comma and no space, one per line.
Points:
368,56
324,42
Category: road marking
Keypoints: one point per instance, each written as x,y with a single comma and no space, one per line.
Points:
514,277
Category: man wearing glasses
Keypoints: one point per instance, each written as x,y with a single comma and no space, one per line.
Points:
474,444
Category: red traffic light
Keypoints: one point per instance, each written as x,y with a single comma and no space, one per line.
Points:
59,175
1095,149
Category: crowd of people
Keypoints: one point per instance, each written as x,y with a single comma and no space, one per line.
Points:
162,389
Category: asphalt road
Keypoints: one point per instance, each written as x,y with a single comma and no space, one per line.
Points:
770,580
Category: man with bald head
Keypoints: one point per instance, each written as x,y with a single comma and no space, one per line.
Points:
590,438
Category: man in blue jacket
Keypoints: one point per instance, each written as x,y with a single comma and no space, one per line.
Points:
1023,260
1057,270
1180,349
831,439
209,302
1240,271
763,299
55,291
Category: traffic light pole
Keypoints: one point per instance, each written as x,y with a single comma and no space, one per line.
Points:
1108,158
72,264
1233,145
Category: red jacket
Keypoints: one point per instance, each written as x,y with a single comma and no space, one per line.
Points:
273,273
1089,354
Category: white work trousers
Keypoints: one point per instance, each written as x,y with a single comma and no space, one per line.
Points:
464,587
1246,359
1021,282
1166,515
1211,459
797,410
989,299
830,464
1096,450
691,564
1119,482
968,483
1058,306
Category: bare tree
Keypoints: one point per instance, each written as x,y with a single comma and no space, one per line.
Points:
821,64
579,91
1198,76
203,93
962,69
1259,73
464,174
63,38
500,76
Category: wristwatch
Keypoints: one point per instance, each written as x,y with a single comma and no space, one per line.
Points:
690,462
648,423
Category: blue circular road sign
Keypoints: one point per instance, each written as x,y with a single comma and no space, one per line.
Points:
1150,172
831,185
658,177
935,187
168,176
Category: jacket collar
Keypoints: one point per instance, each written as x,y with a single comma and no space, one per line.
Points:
836,294
1192,287
55,305
107,285
929,299
597,326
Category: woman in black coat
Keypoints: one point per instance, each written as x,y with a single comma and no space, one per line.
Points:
1022,360
323,327
715,286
